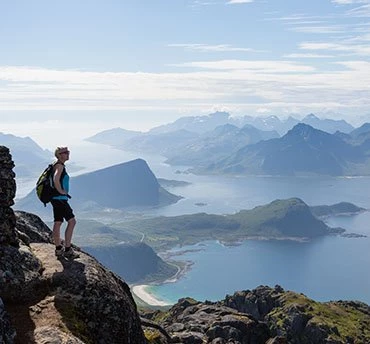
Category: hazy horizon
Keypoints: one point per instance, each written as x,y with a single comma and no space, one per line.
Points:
60,132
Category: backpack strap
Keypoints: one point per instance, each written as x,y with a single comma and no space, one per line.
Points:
64,172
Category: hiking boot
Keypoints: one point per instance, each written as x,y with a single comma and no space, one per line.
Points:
59,252
71,254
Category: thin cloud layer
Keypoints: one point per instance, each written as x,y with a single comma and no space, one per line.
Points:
277,85
192,56
233,2
211,48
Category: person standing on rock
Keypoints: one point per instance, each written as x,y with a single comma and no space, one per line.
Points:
61,208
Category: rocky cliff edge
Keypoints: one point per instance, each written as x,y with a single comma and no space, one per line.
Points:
263,315
45,300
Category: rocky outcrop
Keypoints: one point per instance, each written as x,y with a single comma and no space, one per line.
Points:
7,194
8,236
7,331
263,316
299,319
195,322
46,300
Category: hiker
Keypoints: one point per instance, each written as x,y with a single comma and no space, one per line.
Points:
61,208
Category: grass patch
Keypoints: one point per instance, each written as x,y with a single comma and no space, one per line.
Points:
341,320
152,336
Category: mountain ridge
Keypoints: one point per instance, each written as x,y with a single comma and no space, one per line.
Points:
129,184
302,149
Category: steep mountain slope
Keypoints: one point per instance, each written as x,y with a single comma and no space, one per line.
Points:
218,143
303,150
328,125
288,218
113,137
28,156
196,124
285,218
161,143
134,262
130,184
127,184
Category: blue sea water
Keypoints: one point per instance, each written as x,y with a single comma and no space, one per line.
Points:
329,268
324,269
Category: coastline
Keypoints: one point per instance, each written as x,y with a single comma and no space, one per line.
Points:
141,292
148,297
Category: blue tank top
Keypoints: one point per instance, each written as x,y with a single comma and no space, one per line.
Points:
65,186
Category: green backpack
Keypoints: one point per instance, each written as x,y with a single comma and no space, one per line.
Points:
45,189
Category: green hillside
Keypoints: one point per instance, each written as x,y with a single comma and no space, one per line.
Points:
290,218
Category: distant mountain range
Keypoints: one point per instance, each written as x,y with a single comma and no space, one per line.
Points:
28,156
303,150
329,125
187,130
216,144
113,137
130,184
219,143
202,124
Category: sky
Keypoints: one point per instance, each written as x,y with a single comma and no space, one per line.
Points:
74,68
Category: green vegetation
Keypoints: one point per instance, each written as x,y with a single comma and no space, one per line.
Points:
342,208
339,319
73,320
147,266
152,336
290,218
164,232
280,219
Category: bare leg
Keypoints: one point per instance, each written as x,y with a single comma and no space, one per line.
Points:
56,233
69,232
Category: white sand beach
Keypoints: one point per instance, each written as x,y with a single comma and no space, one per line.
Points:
141,292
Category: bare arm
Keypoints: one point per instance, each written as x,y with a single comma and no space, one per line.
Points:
56,178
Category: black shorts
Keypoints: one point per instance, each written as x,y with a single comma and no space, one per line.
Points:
62,210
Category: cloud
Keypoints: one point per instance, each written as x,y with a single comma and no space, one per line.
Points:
233,2
211,48
263,66
199,3
309,56
239,85
361,11
320,29
349,2
348,47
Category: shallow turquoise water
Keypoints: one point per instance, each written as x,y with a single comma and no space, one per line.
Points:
329,268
